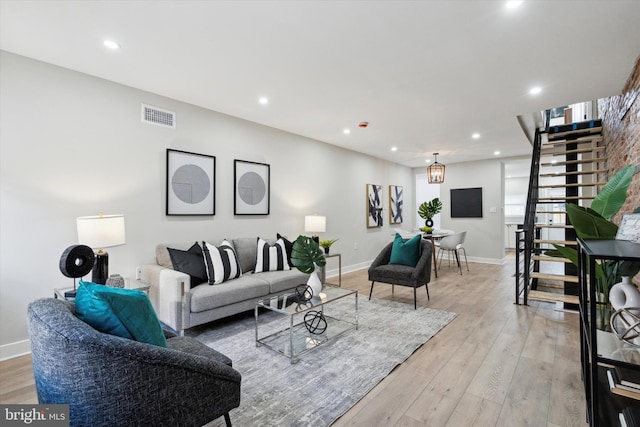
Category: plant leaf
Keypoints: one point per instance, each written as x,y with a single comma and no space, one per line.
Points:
589,224
613,195
306,254
629,268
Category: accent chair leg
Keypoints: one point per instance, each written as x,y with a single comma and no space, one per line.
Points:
371,291
415,299
393,290
227,419
426,286
458,261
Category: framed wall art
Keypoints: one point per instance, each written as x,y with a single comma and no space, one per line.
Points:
252,186
396,201
629,228
190,183
374,205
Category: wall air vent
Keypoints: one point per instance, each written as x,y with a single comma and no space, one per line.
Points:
158,116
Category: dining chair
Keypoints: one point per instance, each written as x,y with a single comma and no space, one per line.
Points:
453,244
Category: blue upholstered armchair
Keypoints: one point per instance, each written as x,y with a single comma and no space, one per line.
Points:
403,275
108,380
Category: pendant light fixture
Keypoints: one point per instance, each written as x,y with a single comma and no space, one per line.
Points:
435,172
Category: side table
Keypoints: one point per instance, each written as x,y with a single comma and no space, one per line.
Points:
136,285
323,277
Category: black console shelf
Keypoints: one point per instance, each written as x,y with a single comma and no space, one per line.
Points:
602,351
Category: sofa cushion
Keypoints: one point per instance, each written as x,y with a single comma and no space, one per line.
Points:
244,288
220,262
190,262
162,254
405,252
271,257
280,281
246,252
123,312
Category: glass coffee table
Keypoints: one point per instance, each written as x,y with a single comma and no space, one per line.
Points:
306,325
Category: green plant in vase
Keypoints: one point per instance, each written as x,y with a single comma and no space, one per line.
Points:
427,210
326,244
306,256
593,224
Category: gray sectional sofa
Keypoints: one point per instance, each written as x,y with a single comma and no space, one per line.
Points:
181,304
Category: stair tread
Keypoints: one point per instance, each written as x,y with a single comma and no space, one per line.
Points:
553,297
551,212
550,259
579,184
556,151
557,242
594,137
574,173
558,277
575,162
553,226
555,199
562,135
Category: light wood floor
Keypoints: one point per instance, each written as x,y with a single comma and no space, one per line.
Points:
496,364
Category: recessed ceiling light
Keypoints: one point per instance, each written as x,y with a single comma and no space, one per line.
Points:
263,100
553,162
394,148
512,4
111,44
475,136
428,161
496,153
346,131
535,90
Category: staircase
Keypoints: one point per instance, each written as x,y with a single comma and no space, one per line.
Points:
564,169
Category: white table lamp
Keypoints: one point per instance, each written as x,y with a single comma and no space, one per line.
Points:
99,232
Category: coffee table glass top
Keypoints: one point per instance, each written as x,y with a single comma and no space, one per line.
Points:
292,336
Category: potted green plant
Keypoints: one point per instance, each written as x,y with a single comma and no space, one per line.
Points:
427,210
306,256
593,223
326,244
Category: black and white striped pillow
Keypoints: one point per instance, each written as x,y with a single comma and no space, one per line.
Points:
220,262
271,258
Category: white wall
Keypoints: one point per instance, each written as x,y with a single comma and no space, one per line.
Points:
73,145
485,236
425,192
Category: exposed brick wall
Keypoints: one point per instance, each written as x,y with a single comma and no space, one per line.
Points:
621,130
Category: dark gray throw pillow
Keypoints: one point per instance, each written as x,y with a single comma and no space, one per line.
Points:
190,262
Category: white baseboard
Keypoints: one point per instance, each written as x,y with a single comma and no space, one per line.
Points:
14,349
349,269
486,260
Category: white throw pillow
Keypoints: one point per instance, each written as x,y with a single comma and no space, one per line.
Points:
271,258
220,262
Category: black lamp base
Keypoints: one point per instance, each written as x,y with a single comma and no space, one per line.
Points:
100,271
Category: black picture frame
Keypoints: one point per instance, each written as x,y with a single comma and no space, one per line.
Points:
251,188
466,202
374,206
396,204
191,183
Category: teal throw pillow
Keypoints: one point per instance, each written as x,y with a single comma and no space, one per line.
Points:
405,252
126,313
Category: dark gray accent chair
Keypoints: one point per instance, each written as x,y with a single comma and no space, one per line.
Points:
109,380
403,275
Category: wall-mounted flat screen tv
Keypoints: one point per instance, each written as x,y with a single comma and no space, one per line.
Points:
466,202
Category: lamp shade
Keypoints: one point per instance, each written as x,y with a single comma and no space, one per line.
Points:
315,224
101,231
435,172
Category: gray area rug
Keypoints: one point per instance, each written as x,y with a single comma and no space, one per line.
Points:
327,380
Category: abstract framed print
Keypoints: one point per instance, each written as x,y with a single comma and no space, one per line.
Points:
190,183
396,202
252,186
374,205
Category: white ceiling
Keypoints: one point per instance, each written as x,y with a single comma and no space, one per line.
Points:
425,74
